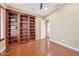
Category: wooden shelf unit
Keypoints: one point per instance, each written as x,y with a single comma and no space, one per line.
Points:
32,28
11,23
24,28
19,27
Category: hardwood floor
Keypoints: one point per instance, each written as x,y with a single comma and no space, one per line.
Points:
59,50
33,48
39,48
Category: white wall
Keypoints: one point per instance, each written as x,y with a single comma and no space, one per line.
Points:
2,43
38,27
42,29
2,21
64,25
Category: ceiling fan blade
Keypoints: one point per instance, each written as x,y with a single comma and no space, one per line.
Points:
41,6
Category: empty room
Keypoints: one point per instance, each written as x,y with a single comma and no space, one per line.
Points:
39,29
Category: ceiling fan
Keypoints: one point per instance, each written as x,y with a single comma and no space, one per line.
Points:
41,6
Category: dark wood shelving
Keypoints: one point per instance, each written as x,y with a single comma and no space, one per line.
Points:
23,23
31,25
24,27
13,40
32,28
12,17
11,25
20,27
23,18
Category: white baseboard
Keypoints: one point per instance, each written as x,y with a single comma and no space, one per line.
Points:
2,50
75,49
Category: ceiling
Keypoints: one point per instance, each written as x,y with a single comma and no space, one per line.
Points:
47,8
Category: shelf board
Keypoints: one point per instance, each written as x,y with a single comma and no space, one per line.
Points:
23,18
12,25
12,21
12,29
32,28
32,25
13,17
32,38
13,42
12,36
23,29
12,39
23,38
23,23
32,34
32,31
23,35
23,32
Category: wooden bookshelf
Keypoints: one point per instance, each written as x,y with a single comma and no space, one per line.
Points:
20,27
24,28
11,27
32,28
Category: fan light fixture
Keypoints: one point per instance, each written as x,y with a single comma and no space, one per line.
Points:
45,8
42,7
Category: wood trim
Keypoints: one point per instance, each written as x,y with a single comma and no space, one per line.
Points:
6,26
1,6
28,27
64,45
12,11
35,26
18,27
21,13
0,21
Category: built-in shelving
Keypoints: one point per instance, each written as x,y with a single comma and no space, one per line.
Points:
12,27
24,27
19,27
